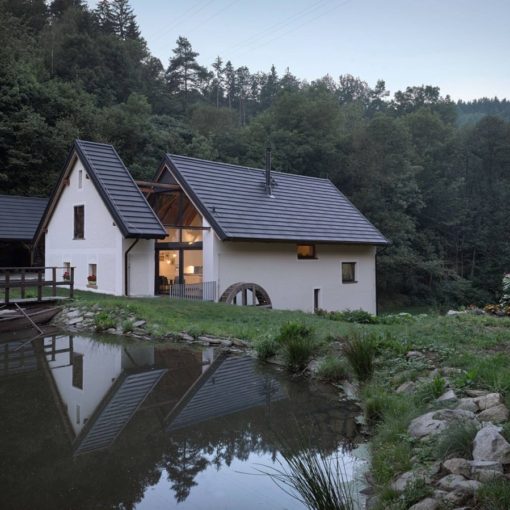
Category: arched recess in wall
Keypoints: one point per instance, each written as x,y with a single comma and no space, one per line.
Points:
246,294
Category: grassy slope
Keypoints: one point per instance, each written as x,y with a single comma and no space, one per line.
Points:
479,345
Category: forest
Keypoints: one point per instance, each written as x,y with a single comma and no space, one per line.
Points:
432,174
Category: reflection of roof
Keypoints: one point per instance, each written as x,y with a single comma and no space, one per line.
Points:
234,200
19,216
116,410
229,386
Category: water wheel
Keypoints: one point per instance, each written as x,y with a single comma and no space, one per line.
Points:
246,294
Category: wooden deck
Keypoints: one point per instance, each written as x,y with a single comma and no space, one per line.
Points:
27,285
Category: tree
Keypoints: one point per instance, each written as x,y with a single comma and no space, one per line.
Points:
104,16
118,16
184,73
218,78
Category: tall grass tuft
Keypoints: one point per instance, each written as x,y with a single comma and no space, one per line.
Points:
457,440
360,352
315,479
297,344
333,369
494,495
265,348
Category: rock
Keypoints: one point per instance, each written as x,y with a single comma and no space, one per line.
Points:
455,498
360,420
467,404
476,393
89,314
488,401
485,471
226,343
454,313
240,343
458,467
414,355
458,483
496,414
407,388
73,313
401,482
139,324
313,366
111,330
426,425
449,371
426,504
489,444
75,321
186,337
350,391
451,415
447,396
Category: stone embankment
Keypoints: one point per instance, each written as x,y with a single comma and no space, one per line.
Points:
454,481
122,323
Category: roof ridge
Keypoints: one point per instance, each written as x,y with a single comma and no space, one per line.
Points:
301,176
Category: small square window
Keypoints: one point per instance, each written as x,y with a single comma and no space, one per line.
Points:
92,276
348,272
79,221
306,251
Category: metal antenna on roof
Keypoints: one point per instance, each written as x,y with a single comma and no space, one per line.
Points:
268,171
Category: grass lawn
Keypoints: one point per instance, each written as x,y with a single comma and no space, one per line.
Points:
479,345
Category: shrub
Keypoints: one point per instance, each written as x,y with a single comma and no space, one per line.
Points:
355,316
457,440
104,321
297,344
333,369
430,391
266,348
494,495
360,351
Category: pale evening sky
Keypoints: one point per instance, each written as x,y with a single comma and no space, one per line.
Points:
462,46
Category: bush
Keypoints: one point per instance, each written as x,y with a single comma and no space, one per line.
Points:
356,316
266,348
494,495
104,321
430,391
297,344
360,351
333,369
127,326
456,440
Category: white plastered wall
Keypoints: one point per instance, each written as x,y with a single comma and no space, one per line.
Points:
103,243
290,282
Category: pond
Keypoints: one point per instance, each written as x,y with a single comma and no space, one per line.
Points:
94,423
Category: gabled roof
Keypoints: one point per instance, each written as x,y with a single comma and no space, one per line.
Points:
19,217
121,196
302,209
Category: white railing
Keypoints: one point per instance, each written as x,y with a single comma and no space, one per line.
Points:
205,291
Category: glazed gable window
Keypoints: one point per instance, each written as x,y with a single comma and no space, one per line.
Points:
79,221
306,251
348,272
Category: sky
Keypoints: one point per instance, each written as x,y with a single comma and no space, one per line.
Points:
462,46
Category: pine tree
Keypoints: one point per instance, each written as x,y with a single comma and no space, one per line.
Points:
184,73
230,80
104,16
218,78
124,20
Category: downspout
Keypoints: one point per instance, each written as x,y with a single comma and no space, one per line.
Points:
126,269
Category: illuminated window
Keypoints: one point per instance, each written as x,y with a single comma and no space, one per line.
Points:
348,272
306,251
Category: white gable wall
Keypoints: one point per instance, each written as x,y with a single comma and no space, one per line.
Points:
290,282
141,266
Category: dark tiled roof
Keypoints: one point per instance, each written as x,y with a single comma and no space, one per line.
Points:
234,200
19,216
126,203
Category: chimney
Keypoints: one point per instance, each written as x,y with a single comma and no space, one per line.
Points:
268,172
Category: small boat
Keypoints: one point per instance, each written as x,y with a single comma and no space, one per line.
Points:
14,320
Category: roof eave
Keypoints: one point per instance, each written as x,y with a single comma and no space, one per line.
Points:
306,241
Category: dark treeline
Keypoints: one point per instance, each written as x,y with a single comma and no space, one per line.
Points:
437,187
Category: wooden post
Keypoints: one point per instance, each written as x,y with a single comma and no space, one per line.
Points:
53,281
71,284
6,292
39,284
23,271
